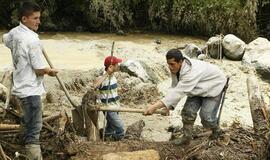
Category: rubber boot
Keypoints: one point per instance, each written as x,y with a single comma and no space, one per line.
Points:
33,151
187,136
216,133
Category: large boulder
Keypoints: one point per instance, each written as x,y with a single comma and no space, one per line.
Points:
154,74
213,45
192,51
233,47
257,55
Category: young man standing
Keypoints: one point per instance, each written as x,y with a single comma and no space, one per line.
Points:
28,74
203,83
107,86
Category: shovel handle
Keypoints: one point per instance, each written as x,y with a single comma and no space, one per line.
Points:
59,80
130,110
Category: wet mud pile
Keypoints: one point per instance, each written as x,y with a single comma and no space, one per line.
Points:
236,143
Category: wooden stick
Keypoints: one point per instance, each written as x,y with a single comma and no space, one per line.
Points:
130,110
9,126
52,117
59,80
9,131
3,155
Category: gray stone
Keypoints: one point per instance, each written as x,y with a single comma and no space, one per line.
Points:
191,50
213,45
233,47
146,73
257,55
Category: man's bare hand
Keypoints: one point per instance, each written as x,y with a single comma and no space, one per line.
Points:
150,110
52,72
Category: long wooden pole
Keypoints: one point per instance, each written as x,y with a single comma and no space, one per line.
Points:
59,80
130,110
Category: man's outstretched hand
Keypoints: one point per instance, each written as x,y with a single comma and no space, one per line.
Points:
150,110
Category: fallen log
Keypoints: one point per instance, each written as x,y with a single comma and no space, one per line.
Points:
9,126
259,117
52,117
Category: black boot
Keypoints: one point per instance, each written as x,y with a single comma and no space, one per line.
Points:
216,133
186,138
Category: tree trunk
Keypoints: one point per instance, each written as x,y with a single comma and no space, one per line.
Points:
257,107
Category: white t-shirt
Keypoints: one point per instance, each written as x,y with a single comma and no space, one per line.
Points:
26,51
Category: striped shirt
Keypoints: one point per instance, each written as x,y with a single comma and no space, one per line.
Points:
108,92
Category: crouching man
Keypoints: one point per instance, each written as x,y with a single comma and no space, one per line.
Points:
203,84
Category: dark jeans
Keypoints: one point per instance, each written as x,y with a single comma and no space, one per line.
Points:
115,126
208,107
32,119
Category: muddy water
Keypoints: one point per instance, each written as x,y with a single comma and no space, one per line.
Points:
85,51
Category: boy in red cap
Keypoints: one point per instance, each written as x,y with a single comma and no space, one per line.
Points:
107,86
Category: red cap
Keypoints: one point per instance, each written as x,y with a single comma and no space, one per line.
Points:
111,60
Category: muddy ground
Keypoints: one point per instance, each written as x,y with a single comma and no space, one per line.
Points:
78,69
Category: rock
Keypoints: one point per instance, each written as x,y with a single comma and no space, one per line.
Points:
135,68
136,155
134,131
191,50
233,47
213,45
158,41
257,55
202,57
141,70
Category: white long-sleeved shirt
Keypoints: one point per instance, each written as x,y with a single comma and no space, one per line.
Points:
27,55
200,79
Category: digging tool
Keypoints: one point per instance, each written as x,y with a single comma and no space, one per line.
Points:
129,110
77,113
222,100
105,116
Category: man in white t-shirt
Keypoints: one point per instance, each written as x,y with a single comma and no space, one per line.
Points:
28,74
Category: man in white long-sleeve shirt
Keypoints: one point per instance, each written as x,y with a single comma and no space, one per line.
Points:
203,83
28,74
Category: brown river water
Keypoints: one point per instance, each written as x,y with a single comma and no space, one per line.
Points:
83,51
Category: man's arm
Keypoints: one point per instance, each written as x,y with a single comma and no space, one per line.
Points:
49,71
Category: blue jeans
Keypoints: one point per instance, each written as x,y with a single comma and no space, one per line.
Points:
208,110
115,126
32,119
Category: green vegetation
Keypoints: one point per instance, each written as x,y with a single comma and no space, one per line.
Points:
196,17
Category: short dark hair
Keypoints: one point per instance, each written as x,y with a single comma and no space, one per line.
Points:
176,54
27,8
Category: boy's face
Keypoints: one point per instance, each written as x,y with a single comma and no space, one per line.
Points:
32,21
115,67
